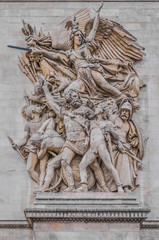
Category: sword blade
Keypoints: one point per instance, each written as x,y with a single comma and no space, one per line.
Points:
20,48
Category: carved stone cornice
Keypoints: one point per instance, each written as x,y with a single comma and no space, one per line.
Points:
76,1
84,215
14,224
94,207
150,224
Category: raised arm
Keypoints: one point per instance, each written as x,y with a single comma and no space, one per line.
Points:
92,33
51,101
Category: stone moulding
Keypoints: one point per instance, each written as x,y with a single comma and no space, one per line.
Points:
83,215
23,224
77,1
150,224
99,207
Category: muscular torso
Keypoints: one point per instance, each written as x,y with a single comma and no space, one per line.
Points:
96,135
76,127
74,131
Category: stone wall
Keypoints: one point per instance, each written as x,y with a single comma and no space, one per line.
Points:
89,231
139,18
16,234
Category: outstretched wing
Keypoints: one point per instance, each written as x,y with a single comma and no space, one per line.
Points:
114,41
61,33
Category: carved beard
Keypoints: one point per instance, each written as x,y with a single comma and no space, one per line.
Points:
76,103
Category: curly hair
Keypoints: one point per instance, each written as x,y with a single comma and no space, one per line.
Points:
28,110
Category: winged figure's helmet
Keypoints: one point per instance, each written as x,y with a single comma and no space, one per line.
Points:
127,104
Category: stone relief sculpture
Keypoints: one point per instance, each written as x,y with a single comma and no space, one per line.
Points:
80,134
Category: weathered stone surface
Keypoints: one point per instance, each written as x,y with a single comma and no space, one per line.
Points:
64,223
86,207
16,187
16,234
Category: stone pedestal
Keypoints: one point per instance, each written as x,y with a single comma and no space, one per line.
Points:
67,216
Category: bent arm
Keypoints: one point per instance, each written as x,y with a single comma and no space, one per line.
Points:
114,133
50,100
44,126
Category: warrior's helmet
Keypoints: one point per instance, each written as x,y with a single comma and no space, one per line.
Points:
127,104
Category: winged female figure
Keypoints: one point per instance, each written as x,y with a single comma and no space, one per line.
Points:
102,67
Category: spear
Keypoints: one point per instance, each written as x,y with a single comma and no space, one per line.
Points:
15,147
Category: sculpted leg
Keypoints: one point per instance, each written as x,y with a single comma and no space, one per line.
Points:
104,154
31,164
55,163
43,164
87,159
67,156
102,82
99,175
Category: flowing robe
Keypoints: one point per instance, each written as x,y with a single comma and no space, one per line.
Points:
125,165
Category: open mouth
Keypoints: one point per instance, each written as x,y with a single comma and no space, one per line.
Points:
123,116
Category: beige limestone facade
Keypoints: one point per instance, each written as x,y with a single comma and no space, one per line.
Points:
16,188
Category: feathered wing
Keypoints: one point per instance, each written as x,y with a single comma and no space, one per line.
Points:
115,42
61,33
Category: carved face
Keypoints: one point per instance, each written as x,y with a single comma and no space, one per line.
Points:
78,39
124,114
34,111
75,100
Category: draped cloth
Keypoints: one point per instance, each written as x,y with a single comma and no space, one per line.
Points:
125,165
